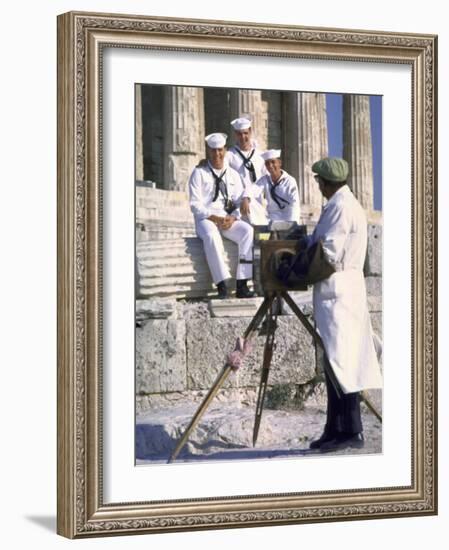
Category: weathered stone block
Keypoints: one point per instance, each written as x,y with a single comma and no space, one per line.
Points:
235,307
376,323
161,356
156,309
296,396
375,304
373,264
303,299
373,286
208,345
375,398
238,397
195,310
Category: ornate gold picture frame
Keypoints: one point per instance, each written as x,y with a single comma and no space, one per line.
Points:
82,509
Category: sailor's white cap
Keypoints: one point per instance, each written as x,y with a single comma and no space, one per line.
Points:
241,124
216,141
271,154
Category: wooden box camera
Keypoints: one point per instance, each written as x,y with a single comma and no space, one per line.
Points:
271,253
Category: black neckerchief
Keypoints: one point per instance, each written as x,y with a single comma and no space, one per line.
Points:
275,197
247,163
218,187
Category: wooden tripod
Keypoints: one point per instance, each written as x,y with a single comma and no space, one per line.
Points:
265,311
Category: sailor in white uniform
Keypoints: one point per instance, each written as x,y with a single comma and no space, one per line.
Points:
246,158
279,189
215,193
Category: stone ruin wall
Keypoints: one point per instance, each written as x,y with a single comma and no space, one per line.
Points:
182,347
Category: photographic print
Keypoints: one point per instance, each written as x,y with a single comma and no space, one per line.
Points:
192,311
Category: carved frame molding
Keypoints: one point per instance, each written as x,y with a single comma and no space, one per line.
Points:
81,39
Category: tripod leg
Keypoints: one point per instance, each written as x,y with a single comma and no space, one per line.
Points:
267,357
311,330
221,379
307,325
364,396
258,317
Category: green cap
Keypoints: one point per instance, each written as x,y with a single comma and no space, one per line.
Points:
331,169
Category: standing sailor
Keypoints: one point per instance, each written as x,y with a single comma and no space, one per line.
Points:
279,189
246,159
215,192
341,310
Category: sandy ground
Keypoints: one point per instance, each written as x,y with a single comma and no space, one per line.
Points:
227,435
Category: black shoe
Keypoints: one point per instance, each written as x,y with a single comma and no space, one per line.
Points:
343,441
243,291
222,291
325,437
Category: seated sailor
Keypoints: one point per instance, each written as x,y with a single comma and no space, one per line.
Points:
279,189
215,193
246,159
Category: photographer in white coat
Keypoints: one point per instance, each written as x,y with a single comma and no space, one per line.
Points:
341,310
215,193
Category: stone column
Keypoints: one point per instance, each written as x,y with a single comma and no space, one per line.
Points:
153,129
305,141
184,134
357,147
217,111
139,133
248,103
273,101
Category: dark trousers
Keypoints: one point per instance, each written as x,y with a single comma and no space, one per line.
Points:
343,413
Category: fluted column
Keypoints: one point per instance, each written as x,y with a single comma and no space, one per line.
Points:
249,103
305,141
184,134
357,147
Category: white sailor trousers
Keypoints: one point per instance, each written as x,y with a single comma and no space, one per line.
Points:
241,233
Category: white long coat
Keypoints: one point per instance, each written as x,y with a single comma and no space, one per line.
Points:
340,302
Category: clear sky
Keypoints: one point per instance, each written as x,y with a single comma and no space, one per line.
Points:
334,107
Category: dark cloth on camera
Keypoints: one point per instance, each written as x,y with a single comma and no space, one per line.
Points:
308,267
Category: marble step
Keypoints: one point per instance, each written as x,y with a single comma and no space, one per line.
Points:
177,267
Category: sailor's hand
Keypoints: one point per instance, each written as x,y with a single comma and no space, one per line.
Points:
244,206
227,222
217,220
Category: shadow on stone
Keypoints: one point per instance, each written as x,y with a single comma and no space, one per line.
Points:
153,442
